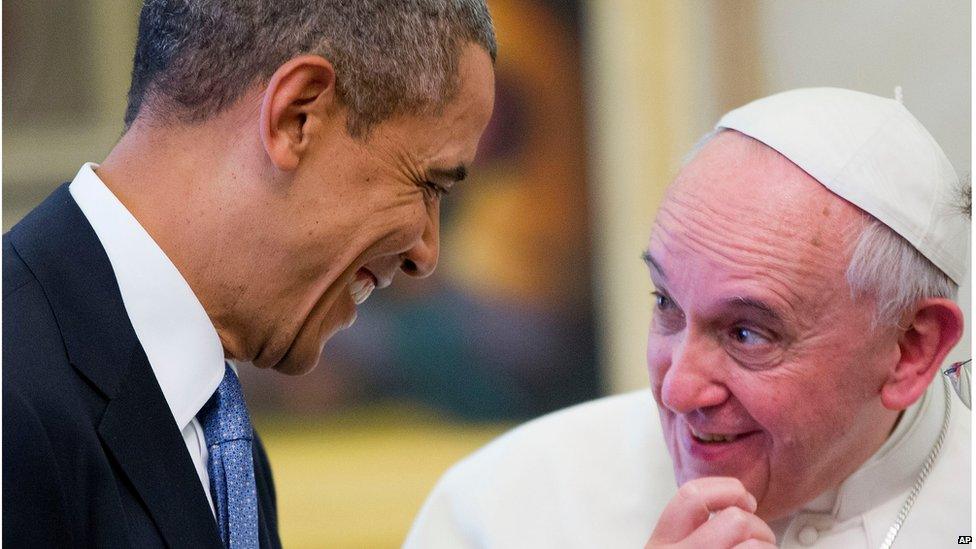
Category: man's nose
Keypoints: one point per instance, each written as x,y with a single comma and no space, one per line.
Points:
692,380
421,259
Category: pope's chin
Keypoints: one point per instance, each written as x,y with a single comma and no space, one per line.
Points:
752,471
755,481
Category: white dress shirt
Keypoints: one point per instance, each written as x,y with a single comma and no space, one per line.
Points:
599,475
177,335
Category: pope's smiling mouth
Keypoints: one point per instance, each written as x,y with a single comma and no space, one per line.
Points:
704,437
716,438
362,286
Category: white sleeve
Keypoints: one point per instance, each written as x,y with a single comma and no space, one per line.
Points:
594,475
441,521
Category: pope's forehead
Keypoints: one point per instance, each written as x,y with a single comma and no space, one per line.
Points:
739,197
735,171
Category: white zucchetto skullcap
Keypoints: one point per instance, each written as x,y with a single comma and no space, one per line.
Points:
872,152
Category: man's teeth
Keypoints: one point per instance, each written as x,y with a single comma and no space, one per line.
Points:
360,289
713,438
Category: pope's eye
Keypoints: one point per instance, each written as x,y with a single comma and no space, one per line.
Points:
668,317
662,302
747,336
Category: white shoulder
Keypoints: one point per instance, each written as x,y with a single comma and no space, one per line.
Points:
570,478
585,432
943,511
945,501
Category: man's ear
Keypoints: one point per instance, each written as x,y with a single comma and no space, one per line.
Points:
932,332
298,93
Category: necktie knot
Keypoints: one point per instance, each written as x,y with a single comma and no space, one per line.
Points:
224,417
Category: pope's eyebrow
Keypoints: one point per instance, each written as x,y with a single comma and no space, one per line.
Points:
755,305
455,174
649,259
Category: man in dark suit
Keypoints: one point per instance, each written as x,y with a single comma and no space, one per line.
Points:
280,161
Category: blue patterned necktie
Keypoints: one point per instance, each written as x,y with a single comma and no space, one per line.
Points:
227,430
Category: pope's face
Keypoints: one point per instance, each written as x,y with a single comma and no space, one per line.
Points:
763,367
357,212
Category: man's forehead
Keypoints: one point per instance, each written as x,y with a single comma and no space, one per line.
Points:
446,141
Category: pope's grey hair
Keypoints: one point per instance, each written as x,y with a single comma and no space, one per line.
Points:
884,266
194,58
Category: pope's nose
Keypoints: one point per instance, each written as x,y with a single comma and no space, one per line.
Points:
690,382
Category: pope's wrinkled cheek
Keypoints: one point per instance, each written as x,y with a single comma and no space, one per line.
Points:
672,439
656,385
658,361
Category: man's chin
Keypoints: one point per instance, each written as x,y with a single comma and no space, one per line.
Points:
302,355
295,360
295,363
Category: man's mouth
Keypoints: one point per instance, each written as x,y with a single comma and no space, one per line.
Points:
362,286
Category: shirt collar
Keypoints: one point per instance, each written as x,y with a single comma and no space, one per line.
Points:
891,470
895,466
178,337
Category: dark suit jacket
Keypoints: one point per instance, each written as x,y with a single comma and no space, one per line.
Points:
92,456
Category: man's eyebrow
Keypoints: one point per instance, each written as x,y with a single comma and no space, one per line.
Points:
649,259
455,174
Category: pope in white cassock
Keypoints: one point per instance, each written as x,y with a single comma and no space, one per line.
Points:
805,263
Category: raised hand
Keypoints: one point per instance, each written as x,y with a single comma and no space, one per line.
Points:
713,512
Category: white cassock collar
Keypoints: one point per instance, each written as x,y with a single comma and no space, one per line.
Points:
890,472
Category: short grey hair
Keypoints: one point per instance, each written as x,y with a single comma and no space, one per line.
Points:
884,266
194,58
888,268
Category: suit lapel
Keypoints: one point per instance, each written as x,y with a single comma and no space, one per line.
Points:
60,247
140,433
267,508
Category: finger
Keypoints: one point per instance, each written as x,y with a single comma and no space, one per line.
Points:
755,544
730,527
695,501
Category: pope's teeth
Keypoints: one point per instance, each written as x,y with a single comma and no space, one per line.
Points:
713,438
360,289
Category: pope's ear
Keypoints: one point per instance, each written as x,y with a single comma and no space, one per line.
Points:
933,330
298,94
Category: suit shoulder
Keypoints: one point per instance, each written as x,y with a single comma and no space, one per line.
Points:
16,275
35,360
31,333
